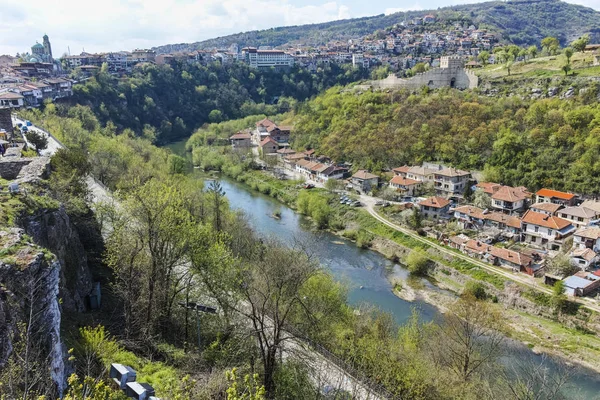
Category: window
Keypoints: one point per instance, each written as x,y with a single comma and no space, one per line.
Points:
549,231
580,219
537,229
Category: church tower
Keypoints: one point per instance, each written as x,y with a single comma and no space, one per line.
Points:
47,49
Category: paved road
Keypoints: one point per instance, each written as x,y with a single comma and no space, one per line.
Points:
53,144
514,276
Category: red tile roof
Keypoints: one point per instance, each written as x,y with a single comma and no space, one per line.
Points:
265,123
507,193
452,172
548,221
398,180
555,193
267,140
241,135
511,256
488,187
548,207
435,202
508,220
404,169
589,233
471,211
364,174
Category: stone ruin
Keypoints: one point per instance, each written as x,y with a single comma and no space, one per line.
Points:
451,73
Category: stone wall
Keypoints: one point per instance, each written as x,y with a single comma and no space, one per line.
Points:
6,120
24,169
459,78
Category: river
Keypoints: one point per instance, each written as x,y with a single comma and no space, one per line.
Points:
365,272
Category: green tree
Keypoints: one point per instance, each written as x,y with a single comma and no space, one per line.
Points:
37,139
550,45
417,263
580,43
484,57
568,53
532,51
481,199
566,69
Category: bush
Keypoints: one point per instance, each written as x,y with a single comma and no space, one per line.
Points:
417,263
475,289
364,239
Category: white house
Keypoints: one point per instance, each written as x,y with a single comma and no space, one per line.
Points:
545,231
407,186
587,238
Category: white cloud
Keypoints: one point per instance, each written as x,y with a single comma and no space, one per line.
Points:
124,25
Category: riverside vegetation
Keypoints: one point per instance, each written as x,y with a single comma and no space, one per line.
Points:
186,245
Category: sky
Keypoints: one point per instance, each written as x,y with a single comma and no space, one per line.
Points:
112,25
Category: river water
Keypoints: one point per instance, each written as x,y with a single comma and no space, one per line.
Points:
365,274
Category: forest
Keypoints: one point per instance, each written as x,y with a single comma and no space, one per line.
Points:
178,98
533,143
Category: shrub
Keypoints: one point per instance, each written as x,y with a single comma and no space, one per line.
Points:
417,263
475,289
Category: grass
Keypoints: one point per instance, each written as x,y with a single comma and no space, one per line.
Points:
582,345
549,66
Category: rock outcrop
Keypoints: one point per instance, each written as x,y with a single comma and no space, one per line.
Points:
53,230
30,305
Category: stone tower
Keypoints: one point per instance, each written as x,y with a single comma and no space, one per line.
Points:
48,49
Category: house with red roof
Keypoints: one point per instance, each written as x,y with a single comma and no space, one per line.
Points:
556,197
451,181
510,200
545,231
364,181
269,146
241,140
435,207
405,186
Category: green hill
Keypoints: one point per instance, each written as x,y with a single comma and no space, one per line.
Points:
520,22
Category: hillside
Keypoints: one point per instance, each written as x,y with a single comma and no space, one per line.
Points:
520,22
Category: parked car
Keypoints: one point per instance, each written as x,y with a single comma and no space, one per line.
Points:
308,186
24,129
28,123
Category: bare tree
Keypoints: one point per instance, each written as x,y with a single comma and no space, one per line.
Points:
469,338
528,377
272,293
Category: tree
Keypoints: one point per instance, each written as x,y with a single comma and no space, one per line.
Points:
468,192
273,292
580,43
561,266
568,53
550,45
415,219
334,185
566,69
37,139
532,379
532,51
484,57
215,116
481,199
217,194
417,263
419,68
469,338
